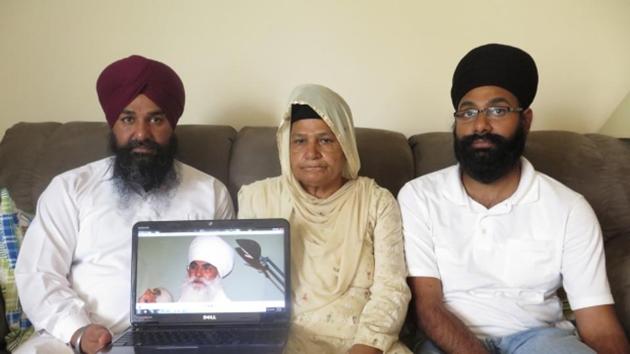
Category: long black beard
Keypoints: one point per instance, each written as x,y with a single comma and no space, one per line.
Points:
144,173
489,165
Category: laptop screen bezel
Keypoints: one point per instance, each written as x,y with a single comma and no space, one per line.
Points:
210,318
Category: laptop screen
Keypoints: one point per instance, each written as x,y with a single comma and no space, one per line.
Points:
210,271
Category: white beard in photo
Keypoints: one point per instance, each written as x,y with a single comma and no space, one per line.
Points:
206,291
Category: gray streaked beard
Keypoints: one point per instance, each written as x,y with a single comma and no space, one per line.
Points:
144,175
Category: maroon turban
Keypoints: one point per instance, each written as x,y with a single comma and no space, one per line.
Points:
123,80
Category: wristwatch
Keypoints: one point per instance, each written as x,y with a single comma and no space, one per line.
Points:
76,344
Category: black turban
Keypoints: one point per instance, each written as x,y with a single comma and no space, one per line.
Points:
302,111
496,65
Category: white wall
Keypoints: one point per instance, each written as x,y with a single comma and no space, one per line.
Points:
619,122
239,59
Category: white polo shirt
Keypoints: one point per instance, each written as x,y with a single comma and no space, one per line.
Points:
500,267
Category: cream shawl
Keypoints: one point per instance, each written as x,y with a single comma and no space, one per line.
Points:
327,235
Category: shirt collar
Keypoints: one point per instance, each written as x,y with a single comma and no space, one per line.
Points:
526,192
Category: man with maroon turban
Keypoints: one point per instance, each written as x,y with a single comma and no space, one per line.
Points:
74,266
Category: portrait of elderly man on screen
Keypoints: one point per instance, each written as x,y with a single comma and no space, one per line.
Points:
210,259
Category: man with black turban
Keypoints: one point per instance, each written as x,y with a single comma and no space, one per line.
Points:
489,241
74,266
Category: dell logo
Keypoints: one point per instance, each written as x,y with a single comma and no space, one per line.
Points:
208,317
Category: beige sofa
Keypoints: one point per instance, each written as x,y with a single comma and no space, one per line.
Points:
596,166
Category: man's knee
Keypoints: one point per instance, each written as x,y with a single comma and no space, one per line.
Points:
548,341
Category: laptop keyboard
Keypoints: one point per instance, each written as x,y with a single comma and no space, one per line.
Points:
219,336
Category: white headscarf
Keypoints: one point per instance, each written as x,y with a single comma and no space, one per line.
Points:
335,112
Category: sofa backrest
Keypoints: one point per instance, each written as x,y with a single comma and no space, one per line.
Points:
596,166
385,156
31,154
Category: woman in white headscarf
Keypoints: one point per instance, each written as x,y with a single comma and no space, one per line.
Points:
348,273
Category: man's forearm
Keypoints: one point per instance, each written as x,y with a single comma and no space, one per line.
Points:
610,345
599,329
613,343
447,331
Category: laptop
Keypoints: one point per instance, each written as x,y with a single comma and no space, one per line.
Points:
175,308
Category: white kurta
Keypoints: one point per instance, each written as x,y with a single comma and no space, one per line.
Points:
74,265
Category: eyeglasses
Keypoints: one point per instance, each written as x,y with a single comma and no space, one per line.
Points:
494,113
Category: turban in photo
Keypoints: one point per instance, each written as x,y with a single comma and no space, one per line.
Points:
496,65
213,250
124,80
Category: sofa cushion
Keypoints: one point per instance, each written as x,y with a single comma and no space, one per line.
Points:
207,148
596,166
386,157
65,147
254,157
20,148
